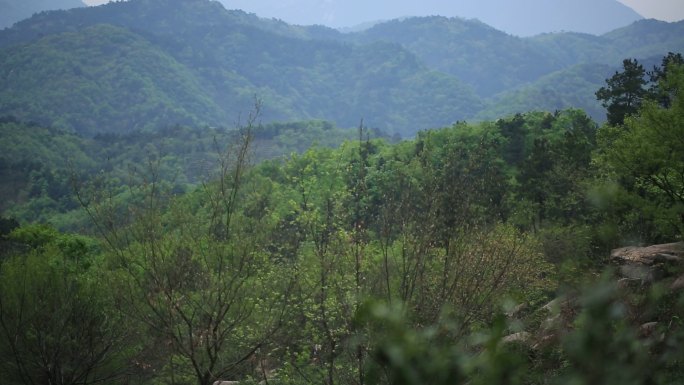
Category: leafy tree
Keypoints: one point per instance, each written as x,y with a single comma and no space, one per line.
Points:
58,323
330,262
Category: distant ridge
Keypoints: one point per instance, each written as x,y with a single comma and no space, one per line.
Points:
519,17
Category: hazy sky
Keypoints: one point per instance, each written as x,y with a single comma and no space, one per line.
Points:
668,10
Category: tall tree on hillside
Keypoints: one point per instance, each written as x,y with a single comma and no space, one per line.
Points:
624,92
647,158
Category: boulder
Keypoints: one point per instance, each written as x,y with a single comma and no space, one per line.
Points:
669,253
648,264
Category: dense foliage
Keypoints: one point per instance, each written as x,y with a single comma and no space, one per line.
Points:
41,166
370,263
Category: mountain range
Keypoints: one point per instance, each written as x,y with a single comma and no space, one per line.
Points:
143,64
521,18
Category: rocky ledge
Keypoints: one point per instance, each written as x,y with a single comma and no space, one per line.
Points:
649,255
650,264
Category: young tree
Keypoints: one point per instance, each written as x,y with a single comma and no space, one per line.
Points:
329,263
192,272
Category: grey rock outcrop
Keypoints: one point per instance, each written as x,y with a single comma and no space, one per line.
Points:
649,255
648,264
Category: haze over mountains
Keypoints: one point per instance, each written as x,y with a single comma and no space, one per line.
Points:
12,11
144,64
520,17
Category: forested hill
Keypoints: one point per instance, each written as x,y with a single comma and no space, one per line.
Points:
143,64
229,57
492,61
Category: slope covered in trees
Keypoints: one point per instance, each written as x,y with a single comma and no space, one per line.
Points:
39,165
491,61
487,59
569,88
103,78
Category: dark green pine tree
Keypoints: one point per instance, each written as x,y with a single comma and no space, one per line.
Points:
662,95
624,92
